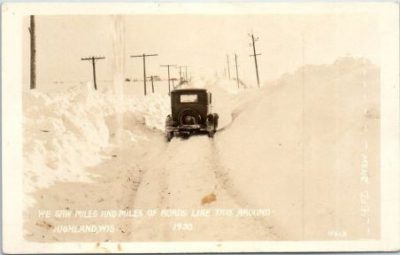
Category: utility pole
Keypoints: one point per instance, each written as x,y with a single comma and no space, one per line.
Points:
33,52
152,84
144,67
237,71
173,80
169,79
229,69
93,59
255,56
186,77
180,73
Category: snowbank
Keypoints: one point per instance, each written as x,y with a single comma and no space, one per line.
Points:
308,127
65,132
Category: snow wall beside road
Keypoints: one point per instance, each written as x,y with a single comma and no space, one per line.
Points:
64,132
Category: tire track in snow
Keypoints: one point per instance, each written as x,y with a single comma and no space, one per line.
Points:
188,170
185,173
222,175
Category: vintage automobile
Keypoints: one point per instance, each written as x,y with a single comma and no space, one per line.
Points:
190,113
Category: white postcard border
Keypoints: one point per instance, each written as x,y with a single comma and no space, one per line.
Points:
12,14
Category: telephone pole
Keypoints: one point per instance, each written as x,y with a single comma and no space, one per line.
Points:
255,56
144,67
186,77
180,73
237,71
229,69
173,80
152,84
93,59
169,79
33,52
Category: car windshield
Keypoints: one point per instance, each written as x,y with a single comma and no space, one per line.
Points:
189,98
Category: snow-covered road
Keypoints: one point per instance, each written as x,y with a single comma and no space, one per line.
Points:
185,174
184,177
279,152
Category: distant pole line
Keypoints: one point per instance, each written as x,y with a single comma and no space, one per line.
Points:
169,79
33,52
255,56
173,84
186,77
93,59
144,67
237,71
180,73
228,65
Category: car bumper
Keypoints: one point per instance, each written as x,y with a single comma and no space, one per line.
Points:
187,128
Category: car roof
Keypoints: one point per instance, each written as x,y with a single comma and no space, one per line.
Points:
188,90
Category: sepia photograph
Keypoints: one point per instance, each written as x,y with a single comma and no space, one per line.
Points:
139,126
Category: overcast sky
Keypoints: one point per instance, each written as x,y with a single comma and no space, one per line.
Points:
199,41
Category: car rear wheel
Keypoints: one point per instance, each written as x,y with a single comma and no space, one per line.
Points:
215,117
212,122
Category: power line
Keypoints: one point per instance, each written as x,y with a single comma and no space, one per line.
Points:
144,67
93,59
255,56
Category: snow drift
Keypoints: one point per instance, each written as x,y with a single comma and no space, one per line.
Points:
65,132
301,141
